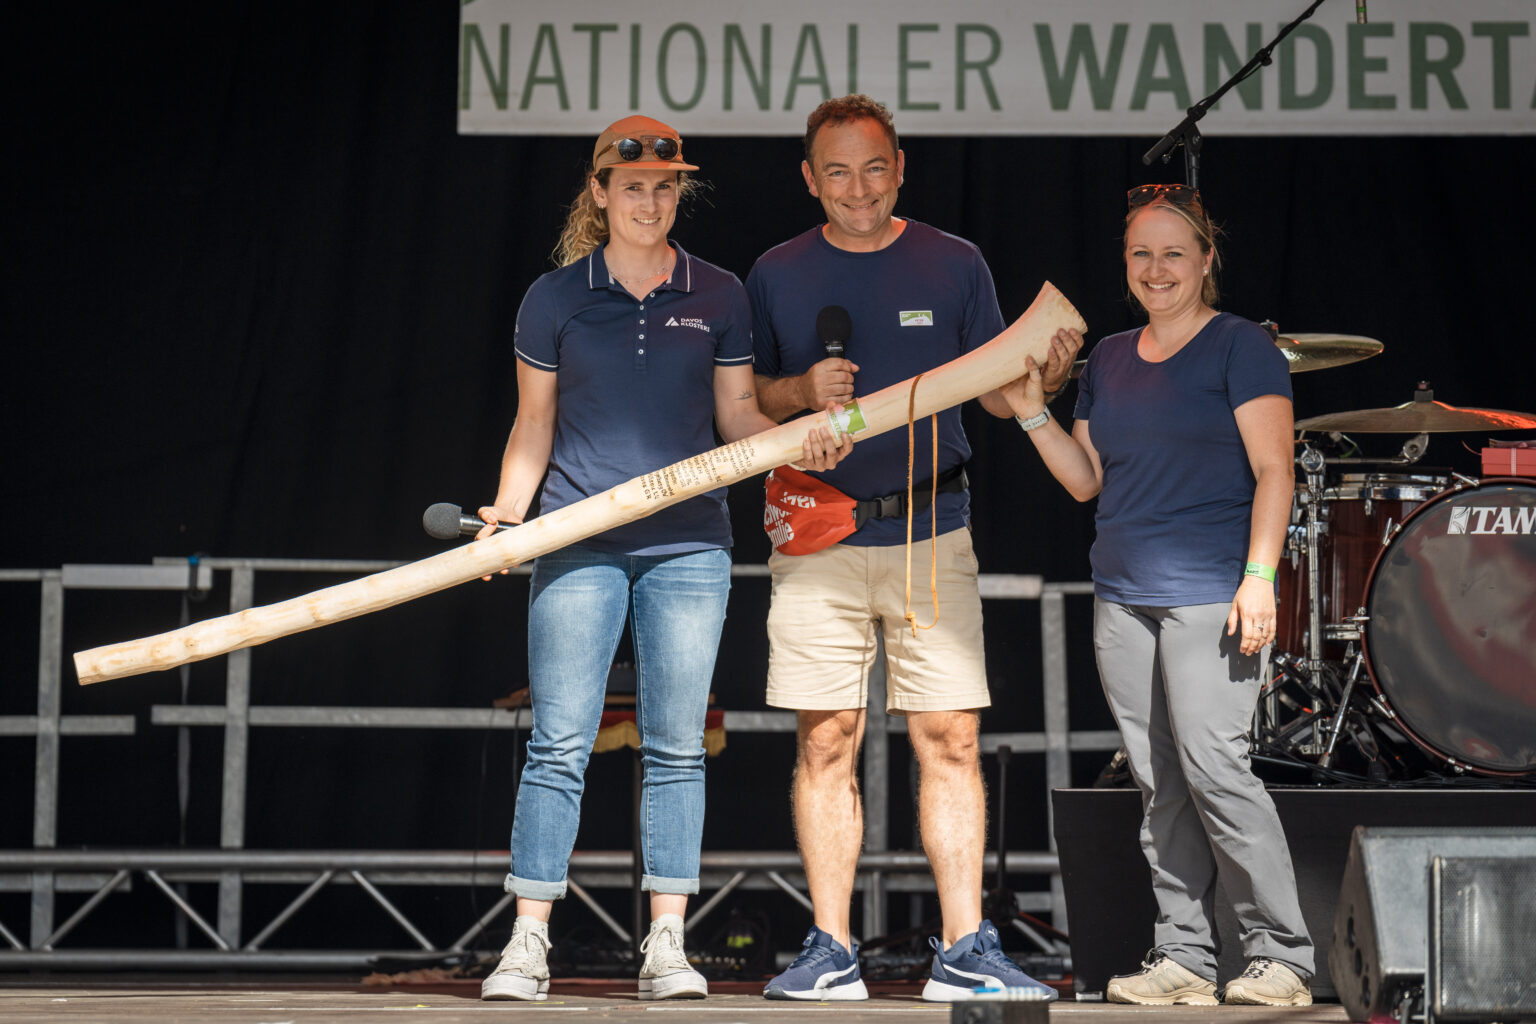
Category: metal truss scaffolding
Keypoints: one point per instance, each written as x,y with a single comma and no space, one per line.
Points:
45,870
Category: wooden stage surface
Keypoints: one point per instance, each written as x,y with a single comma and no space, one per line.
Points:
62,999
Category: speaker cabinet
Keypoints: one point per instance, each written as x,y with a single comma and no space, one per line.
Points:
1382,924
1482,939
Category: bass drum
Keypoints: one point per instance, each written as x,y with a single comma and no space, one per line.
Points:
1450,642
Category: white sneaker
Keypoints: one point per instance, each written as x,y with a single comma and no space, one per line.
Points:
524,969
666,973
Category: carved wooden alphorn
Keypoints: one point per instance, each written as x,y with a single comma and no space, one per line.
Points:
996,363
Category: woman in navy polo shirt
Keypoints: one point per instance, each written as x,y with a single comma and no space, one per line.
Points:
1184,433
628,358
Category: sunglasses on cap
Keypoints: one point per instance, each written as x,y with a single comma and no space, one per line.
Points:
661,147
1181,195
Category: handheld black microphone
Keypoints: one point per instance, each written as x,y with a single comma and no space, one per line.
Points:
448,522
833,326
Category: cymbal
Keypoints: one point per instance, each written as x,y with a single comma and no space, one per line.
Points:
1311,351
1423,415
1320,351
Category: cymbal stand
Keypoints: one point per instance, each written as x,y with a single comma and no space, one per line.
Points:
1312,463
1358,659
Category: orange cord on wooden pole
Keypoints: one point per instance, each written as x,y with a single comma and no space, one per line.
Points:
933,512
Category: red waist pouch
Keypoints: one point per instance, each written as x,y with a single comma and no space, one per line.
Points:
802,514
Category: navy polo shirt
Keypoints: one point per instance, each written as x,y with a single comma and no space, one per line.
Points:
923,300
635,382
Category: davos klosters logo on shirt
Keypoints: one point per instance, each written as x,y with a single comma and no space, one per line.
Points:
915,318
688,321
1492,519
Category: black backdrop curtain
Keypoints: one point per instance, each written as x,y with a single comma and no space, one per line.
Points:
259,300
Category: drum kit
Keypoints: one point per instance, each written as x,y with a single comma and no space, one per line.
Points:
1405,645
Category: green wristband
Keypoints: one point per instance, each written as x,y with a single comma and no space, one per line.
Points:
1263,572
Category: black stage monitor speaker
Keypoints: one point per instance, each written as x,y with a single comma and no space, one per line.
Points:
1482,939
1382,932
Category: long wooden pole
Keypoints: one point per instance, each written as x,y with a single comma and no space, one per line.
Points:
997,362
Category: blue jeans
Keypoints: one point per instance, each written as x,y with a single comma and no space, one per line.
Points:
577,605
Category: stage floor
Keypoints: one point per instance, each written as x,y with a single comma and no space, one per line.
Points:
255,1000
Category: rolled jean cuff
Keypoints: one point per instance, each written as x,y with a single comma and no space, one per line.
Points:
669,886
529,889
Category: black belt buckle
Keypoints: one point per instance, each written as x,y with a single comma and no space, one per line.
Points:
886,507
893,505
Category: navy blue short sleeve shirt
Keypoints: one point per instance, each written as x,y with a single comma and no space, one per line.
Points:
1175,513
923,300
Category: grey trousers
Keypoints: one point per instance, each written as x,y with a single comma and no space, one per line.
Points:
1184,697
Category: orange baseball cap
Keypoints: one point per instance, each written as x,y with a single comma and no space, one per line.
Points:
640,142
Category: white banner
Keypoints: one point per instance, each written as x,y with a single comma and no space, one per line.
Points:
1001,67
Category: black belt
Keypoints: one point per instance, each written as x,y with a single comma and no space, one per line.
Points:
893,505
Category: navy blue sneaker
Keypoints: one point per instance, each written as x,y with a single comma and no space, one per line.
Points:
824,970
977,963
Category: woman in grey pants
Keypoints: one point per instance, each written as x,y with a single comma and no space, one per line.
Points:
1184,433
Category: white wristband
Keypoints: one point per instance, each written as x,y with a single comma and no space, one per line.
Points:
1035,422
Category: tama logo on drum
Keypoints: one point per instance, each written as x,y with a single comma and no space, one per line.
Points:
1492,519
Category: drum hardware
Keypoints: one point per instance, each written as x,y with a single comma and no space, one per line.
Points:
1326,759
1313,463
1330,715
1411,452
1391,527
1269,732
1351,629
1382,708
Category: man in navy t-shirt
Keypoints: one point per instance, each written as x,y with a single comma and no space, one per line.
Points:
915,298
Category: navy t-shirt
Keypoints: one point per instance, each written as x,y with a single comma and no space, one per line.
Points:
1174,514
635,381
921,301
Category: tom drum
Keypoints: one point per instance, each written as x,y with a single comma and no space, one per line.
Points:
1358,510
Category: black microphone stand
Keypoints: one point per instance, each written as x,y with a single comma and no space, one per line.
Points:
1186,132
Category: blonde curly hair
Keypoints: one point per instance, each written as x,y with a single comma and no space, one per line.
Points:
586,223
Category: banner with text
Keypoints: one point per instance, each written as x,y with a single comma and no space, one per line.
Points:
1001,67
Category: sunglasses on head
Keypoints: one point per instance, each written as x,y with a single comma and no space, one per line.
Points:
661,147
1182,195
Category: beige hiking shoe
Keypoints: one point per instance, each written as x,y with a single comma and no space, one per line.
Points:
524,969
1161,982
1268,982
666,973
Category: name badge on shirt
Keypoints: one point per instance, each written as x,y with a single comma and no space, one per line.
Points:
916,317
